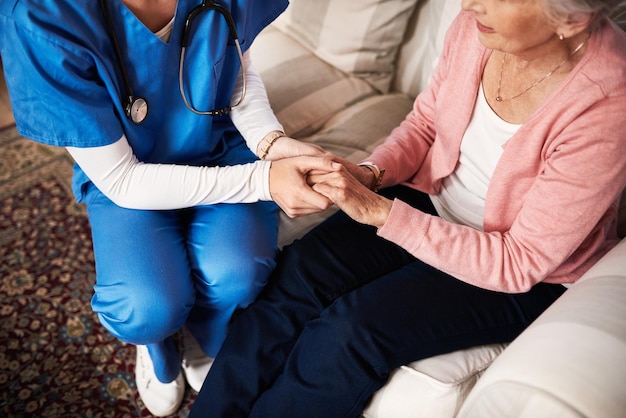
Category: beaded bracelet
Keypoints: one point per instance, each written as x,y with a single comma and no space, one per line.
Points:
269,141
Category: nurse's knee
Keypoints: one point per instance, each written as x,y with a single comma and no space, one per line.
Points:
141,316
240,283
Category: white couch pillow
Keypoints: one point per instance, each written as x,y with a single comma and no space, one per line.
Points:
359,37
571,361
434,387
419,54
304,90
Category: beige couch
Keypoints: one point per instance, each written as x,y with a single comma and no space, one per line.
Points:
342,74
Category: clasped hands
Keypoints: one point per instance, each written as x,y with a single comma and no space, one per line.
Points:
305,179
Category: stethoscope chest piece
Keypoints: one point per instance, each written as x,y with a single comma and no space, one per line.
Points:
137,110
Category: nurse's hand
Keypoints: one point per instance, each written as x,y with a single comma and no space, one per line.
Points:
289,188
285,147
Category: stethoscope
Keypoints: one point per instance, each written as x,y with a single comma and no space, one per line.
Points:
136,108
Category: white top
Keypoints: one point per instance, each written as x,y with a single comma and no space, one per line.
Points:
128,182
165,32
462,196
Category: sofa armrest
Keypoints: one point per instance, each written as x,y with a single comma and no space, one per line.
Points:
571,362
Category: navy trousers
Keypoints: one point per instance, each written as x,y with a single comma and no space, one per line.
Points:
341,311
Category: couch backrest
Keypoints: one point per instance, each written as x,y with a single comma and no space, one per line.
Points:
619,15
621,216
423,41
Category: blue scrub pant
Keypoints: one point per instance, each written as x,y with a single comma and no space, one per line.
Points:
343,309
159,270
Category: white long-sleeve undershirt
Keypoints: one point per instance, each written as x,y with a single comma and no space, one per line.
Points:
254,117
130,183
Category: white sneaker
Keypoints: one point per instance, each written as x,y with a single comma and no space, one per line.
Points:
160,398
196,364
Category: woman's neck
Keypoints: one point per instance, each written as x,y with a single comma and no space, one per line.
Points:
550,54
155,14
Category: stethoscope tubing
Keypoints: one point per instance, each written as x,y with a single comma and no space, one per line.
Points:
209,5
135,108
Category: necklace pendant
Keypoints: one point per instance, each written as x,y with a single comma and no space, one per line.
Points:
498,98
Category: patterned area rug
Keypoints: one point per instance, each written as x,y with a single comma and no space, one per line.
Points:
56,360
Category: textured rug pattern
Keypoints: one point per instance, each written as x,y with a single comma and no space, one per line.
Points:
56,360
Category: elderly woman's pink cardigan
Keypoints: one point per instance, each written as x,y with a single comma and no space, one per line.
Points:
550,211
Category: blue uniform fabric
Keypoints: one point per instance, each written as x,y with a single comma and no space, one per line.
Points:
67,88
159,270
156,270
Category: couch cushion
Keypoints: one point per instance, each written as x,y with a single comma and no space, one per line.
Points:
354,132
303,90
433,387
360,37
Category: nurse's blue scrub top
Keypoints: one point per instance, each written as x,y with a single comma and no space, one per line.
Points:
67,88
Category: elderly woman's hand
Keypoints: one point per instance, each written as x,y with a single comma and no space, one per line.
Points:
352,195
363,174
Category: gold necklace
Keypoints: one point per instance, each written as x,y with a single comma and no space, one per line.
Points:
500,99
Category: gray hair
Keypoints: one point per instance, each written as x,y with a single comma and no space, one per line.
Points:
570,9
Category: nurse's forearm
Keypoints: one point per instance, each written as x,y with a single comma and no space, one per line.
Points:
129,183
